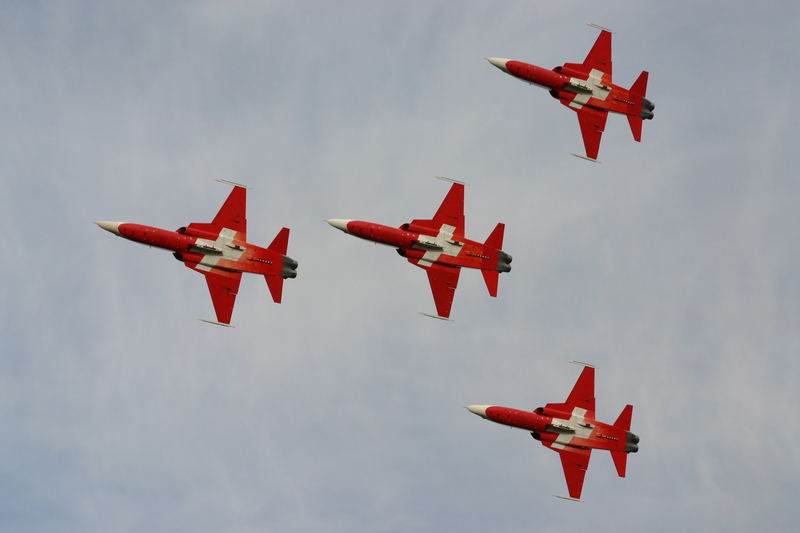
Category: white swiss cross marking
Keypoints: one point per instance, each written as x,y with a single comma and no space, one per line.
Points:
443,241
577,428
210,260
593,82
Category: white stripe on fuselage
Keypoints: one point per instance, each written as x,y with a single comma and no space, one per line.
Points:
575,423
447,248
210,260
594,82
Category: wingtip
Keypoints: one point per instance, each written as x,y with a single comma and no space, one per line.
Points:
223,324
229,182
451,180
587,158
446,318
569,498
598,27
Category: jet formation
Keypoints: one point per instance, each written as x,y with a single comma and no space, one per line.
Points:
219,251
571,429
586,88
439,247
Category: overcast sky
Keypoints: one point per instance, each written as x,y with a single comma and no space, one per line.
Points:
672,266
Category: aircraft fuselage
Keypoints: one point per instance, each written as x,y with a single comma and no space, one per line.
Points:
562,429
573,86
429,246
224,251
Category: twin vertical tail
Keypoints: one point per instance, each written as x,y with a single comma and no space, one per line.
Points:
495,242
620,457
639,89
280,245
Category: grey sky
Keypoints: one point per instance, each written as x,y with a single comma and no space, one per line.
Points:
672,266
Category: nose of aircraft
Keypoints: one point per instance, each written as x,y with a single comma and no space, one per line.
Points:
339,223
110,225
499,62
479,410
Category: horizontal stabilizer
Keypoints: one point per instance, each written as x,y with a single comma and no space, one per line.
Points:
636,127
280,244
275,284
495,239
624,419
492,278
620,460
639,87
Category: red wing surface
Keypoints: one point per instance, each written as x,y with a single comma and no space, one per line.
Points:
575,462
599,56
592,122
444,281
223,286
451,212
231,215
582,395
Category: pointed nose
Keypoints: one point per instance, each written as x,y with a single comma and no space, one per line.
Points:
479,410
109,225
499,62
339,223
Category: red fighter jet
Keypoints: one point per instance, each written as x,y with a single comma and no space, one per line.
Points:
219,251
571,429
586,88
439,247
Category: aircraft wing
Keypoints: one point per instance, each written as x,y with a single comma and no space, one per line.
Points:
232,215
443,280
575,462
592,122
451,211
582,395
223,285
599,57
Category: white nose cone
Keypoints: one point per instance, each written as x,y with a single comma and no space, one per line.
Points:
479,410
499,62
109,225
339,223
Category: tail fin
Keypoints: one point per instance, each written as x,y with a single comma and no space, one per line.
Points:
636,127
620,461
275,284
639,88
624,419
491,277
280,243
495,240
624,423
